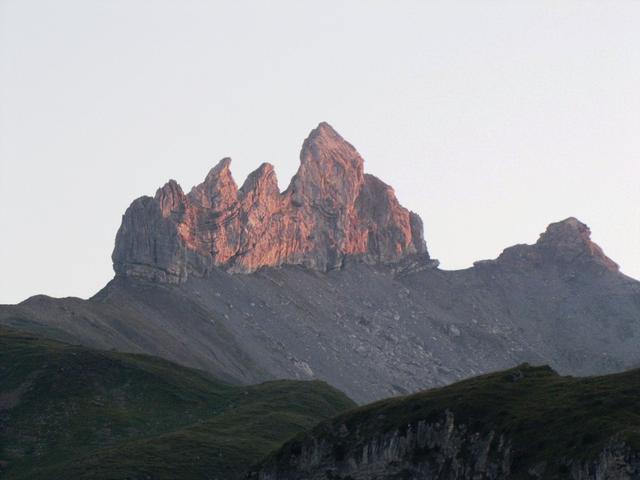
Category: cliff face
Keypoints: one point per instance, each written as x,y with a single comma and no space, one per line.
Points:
440,449
443,450
523,423
330,211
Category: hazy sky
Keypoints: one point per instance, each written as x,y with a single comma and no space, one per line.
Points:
490,119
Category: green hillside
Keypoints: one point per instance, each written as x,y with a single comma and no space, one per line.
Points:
550,422
72,412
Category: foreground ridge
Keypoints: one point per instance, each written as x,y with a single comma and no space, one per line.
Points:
70,412
331,210
523,423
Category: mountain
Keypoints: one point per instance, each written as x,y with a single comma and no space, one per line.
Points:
330,211
331,279
523,423
72,412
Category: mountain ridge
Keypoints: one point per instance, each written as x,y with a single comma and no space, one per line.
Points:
523,423
69,412
352,284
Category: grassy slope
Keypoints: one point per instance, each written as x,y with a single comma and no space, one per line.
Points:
548,417
73,412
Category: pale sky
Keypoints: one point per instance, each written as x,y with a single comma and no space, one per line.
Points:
490,119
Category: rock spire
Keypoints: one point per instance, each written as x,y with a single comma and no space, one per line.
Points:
330,211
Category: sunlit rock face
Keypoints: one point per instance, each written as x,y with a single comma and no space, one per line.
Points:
330,211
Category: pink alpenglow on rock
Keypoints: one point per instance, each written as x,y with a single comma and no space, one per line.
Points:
331,210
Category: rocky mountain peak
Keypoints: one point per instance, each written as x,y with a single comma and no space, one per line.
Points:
219,189
331,172
330,211
570,230
570,240
261,179
170,198
567,242
325,145
323,137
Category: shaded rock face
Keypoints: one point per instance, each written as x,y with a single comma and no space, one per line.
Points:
617,461
523,423
330,211
441,449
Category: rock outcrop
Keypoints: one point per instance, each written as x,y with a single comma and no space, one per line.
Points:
445,450
565,243
523,423
440,449
331,210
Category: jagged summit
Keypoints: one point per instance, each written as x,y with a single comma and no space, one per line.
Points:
324,144
400,328
567,242
331,210
323,131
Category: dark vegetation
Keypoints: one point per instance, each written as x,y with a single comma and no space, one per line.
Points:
546,416
76,413
72,412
